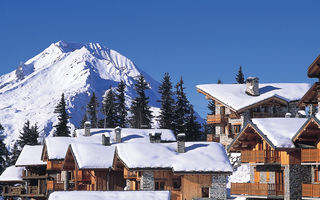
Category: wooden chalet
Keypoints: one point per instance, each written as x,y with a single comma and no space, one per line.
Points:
34,175
188,170
13,185
237,103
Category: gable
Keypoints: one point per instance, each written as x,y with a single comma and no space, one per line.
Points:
314,68
311,96
69,162
309,134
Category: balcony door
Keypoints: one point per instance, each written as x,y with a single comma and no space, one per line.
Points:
279,182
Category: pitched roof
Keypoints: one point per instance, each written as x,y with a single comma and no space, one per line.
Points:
12,174
110,195
57,147
30,156
314,68
205,157
234,95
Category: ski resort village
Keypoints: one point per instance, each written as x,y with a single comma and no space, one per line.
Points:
81,121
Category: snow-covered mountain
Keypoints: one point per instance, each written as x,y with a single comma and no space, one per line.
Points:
34,89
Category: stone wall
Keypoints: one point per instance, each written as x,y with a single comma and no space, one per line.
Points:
306,174
292,182
251,173
147,180
218,190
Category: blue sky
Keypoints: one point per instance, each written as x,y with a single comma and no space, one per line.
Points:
202,41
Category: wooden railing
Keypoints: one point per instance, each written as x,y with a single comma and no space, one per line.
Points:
12,190
129,174
257,189
260,156
28,174
265,114
54,165
310,155
311,190
213,138
55,186
216,119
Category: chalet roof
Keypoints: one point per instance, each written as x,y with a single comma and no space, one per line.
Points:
12,174
234,95
57,147
110,195
93,156
310,97
314,68
200,157
309,133
280,131
30,156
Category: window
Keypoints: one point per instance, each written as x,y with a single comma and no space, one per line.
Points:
236,129
159,185
176,183
205,191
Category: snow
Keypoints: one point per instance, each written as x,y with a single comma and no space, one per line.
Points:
93,156
280,130
110,195
76,70
234,95
12,174
30,155
57,146
199,156
240,175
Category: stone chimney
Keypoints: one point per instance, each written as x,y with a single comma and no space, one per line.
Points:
155,137
181,138
117,130
252,84
87,126
105,140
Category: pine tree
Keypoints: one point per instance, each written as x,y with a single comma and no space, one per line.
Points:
193,132
84,119
120,105
240,76
14,154
212,107
210,128
93,110
29,135
109,110
166,117
219,81
3,150
181,109
62,129
140,110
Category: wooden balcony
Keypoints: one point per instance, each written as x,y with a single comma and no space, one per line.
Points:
213,138
256,189
55,186
311,190
310,155
35,191
54,165
129,174
216,119
266,114
12,191
260,156
31,175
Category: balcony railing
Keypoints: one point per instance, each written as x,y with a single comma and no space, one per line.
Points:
216,119
260,156
130,175
54,165
257,189
32,175
310,155
12,191
55,186
310,190
266,114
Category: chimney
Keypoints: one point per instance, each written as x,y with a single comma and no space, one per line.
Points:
181,137
87,126
252,86
105,140
155,137
117,130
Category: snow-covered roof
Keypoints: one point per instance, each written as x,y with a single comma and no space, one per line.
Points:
199,156
234,95
93,156
280,131
30,155
12,174
57,146
110,195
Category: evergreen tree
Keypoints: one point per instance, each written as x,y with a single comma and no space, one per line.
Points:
109,110
166,117
29,135
14,154
219,81
240,76
62,129
3,150
193,132
84,119
181,109
93,110
140,110
212,107
120,105
210,128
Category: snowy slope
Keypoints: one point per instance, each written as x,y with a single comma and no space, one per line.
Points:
34,89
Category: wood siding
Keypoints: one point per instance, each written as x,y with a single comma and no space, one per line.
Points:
191,185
